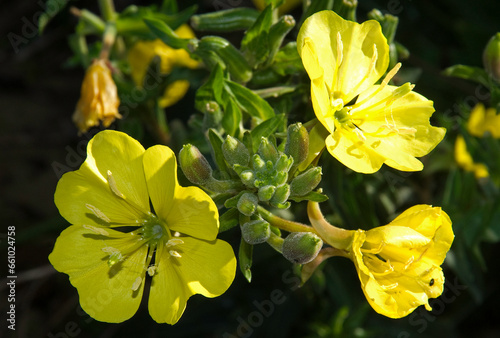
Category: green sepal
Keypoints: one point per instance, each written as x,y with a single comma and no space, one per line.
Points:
233,201
216,143
313,196
265,129
228,220
245,253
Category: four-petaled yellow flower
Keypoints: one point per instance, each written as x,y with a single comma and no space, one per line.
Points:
398,264
465,160
142,53
482,121
116,238
369,124
99,98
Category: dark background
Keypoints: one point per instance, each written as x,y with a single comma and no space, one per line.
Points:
38,142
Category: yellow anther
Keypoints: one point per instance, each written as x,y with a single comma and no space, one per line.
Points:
113,186
151,270
137,283
174,241
98,213
174,253
97,230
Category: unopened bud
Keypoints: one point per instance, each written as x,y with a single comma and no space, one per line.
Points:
305,182
255,232
491,57
248,178
297,143
268,151
247,204
194,165
266,192
257,162
301,247
235,152
281,195
284,163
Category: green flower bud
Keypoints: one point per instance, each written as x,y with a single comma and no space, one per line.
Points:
268,151
227,20
247,204
257,162
235,152
284,163
305,182
491,57
266,192
248,178
194,165
301,247
281,195
297,143
256,232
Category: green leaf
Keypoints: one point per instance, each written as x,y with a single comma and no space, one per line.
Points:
287,61
250,102
245,259
52,8
315,6
161,30
265,129
228,220
232,118
227,20
211,90
312,196
169,6
475,74
255,44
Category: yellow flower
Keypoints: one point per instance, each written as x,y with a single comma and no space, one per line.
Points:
483,121
465,161
398,264
369,124
99,98
116,238
143,52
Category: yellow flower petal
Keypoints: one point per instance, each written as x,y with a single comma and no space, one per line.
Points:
118,157
85,196
346,60
105,293
160,168
206,268
193,213
173,93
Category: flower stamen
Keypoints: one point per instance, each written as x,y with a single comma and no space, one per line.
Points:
98,213
97,230
113,186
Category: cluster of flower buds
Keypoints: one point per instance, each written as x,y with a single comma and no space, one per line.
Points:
269,177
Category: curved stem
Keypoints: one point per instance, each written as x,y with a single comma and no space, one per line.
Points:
284,224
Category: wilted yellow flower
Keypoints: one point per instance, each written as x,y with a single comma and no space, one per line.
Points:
142,53
482,121
369,124
398,264
99,98
116,238
465,161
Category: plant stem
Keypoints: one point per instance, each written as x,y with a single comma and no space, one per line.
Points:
107,9
284,224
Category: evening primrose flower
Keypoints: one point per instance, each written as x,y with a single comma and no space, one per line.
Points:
398,264
369,124
465,160
142,53
482,121
99,98
117,238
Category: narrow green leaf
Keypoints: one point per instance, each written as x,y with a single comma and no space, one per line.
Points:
210,90
227,20
255,44
216,142
52,8
475,74
250,102
161,30
232,118
265,129
313,196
